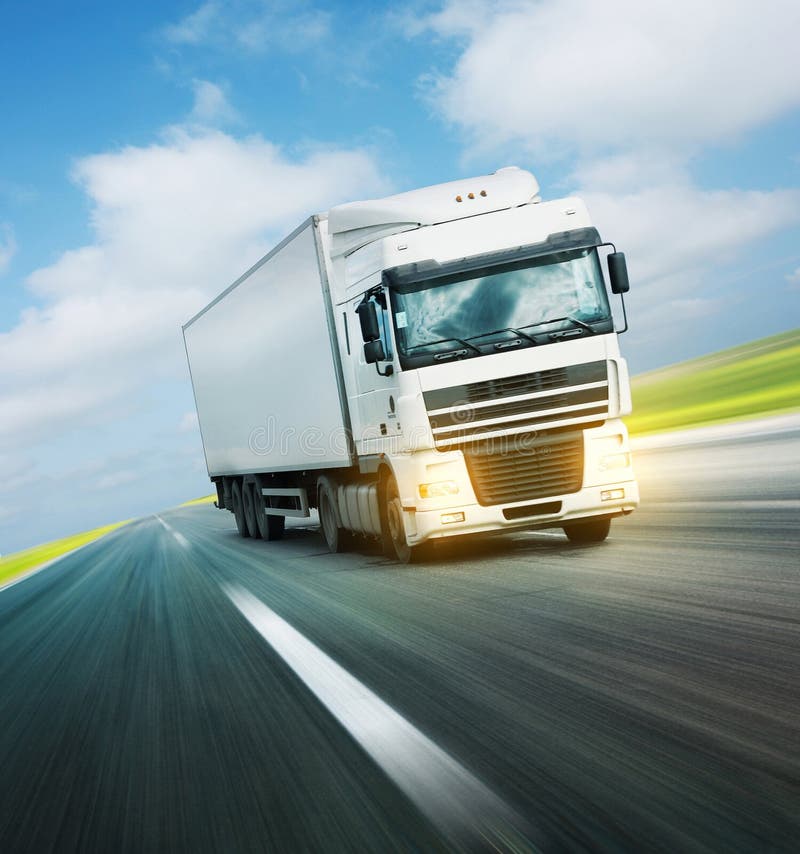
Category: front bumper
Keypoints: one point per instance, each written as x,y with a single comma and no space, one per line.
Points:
587,502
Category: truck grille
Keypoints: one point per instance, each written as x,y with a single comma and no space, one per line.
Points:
568,396
522,471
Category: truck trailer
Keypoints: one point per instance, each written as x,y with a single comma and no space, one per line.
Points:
436,363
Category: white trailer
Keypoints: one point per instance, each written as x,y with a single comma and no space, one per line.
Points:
435,363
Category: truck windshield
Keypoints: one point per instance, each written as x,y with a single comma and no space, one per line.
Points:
522,304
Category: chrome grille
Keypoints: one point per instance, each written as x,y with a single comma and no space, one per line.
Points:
520,384
518,471
569,396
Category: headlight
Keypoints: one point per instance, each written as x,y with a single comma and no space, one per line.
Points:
438,489
608,453
614,461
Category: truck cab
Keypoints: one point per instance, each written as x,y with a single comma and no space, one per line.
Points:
481,361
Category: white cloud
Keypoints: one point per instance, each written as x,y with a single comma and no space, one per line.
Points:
453,19
574,74
17,472
673,226
115,479
195,28
188,423
793,279
679,241
252,25
211,106
293,33
174,223
8,246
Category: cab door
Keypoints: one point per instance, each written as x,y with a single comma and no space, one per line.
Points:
377,392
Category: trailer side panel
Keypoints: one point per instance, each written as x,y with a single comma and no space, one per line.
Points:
266,388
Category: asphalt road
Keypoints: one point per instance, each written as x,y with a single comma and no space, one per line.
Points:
175,688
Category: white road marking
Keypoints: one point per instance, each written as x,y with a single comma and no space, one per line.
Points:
181,540
449,795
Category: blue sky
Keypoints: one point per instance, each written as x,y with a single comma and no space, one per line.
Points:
152,152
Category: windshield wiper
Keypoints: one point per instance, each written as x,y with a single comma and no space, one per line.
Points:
505,329
444,341
575,320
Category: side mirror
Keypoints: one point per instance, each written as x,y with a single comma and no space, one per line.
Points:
618,273
368,318
374,352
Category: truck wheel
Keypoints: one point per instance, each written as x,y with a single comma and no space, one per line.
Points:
238,509
593,531
395,534
249,506
336,538
269,527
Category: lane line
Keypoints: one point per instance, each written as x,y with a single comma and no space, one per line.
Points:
181,540
449,795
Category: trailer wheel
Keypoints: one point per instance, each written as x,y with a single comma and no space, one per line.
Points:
269,527
238,509
336,538
592,531
394,535
249,506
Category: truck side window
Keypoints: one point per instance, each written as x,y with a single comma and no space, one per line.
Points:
386,338
383,324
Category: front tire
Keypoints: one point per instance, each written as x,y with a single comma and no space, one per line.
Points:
394,536
592,531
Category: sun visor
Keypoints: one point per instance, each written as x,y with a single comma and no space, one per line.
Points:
408,275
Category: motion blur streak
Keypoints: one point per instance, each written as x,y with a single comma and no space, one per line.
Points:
637,695
179,538
447,793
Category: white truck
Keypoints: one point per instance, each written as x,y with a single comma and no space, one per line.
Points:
436,363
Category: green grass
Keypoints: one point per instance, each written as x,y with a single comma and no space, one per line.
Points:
756,379
19,563
206,499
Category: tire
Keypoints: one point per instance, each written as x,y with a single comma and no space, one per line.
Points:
238,509
269,527
394,535
592,531
336,538
249,506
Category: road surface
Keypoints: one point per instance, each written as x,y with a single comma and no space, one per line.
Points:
172,687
